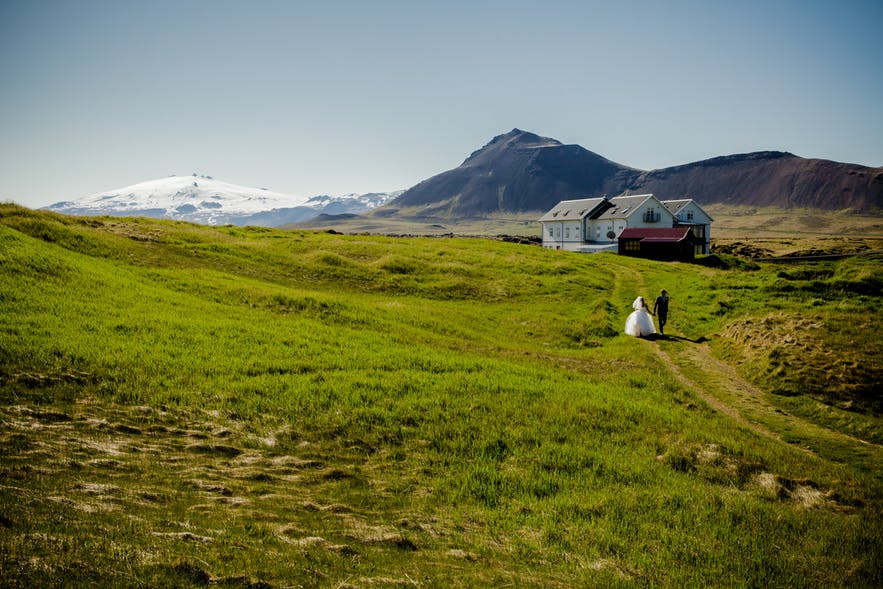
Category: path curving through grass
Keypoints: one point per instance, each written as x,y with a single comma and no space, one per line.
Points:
722,388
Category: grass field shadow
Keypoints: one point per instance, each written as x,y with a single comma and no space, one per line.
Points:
665,337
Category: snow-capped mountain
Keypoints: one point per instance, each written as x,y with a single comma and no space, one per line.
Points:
202,199
351,203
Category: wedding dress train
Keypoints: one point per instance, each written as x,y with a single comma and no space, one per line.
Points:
640,322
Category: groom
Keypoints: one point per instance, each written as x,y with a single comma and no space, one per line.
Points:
660,309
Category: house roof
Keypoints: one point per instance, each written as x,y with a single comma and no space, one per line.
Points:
674,206
573,209
625,198
618,207
623,206
655,234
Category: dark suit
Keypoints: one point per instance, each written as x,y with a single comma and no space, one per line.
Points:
660,309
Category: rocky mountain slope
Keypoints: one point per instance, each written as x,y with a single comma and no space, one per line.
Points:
769,178
518,171
521,171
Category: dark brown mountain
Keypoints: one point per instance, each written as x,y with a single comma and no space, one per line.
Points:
521,171
769,178
518,171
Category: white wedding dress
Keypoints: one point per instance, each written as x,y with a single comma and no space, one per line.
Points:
640,322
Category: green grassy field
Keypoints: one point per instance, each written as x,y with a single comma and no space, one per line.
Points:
184,406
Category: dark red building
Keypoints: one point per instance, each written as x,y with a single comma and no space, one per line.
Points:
660,243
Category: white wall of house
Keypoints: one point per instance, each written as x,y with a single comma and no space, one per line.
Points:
599,229
563,235
639,216
651,214
692,214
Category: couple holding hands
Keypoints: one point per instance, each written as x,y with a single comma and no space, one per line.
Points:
640,322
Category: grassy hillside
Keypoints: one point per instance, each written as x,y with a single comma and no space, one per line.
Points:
245,407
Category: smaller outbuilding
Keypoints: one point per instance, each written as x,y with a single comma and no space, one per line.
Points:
689,214
660,243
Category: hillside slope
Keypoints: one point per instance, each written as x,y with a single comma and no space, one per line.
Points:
517,171
520,171
773,179
186,405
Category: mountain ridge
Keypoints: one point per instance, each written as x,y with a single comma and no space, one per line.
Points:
205,200
521,171
515,171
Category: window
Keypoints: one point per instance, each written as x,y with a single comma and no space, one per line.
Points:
689,215
551,231
567,232
632,245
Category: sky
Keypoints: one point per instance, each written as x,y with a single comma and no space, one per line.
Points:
334,97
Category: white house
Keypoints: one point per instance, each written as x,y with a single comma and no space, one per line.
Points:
689,214
567,226
594,224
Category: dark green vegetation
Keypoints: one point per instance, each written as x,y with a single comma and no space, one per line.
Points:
242,407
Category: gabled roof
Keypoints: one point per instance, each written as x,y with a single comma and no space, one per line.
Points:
656,234
568,210
675,206
623,206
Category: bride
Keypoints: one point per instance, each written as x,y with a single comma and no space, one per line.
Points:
639,323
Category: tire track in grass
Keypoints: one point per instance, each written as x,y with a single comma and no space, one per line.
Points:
624,279
723,389
744,388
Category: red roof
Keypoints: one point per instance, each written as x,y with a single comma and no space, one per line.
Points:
655,234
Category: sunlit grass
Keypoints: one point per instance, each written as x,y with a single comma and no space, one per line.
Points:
184,405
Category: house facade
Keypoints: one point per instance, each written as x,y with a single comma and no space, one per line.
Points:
595,224
689,214
658,243
568,225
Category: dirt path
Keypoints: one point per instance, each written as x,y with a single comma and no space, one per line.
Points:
722,388
736,383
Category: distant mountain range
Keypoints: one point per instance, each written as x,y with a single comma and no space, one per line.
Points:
521,171
516,172
202,199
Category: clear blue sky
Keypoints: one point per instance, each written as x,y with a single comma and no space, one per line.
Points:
330,96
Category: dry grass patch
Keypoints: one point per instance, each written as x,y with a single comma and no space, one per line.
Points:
804,493
804,354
